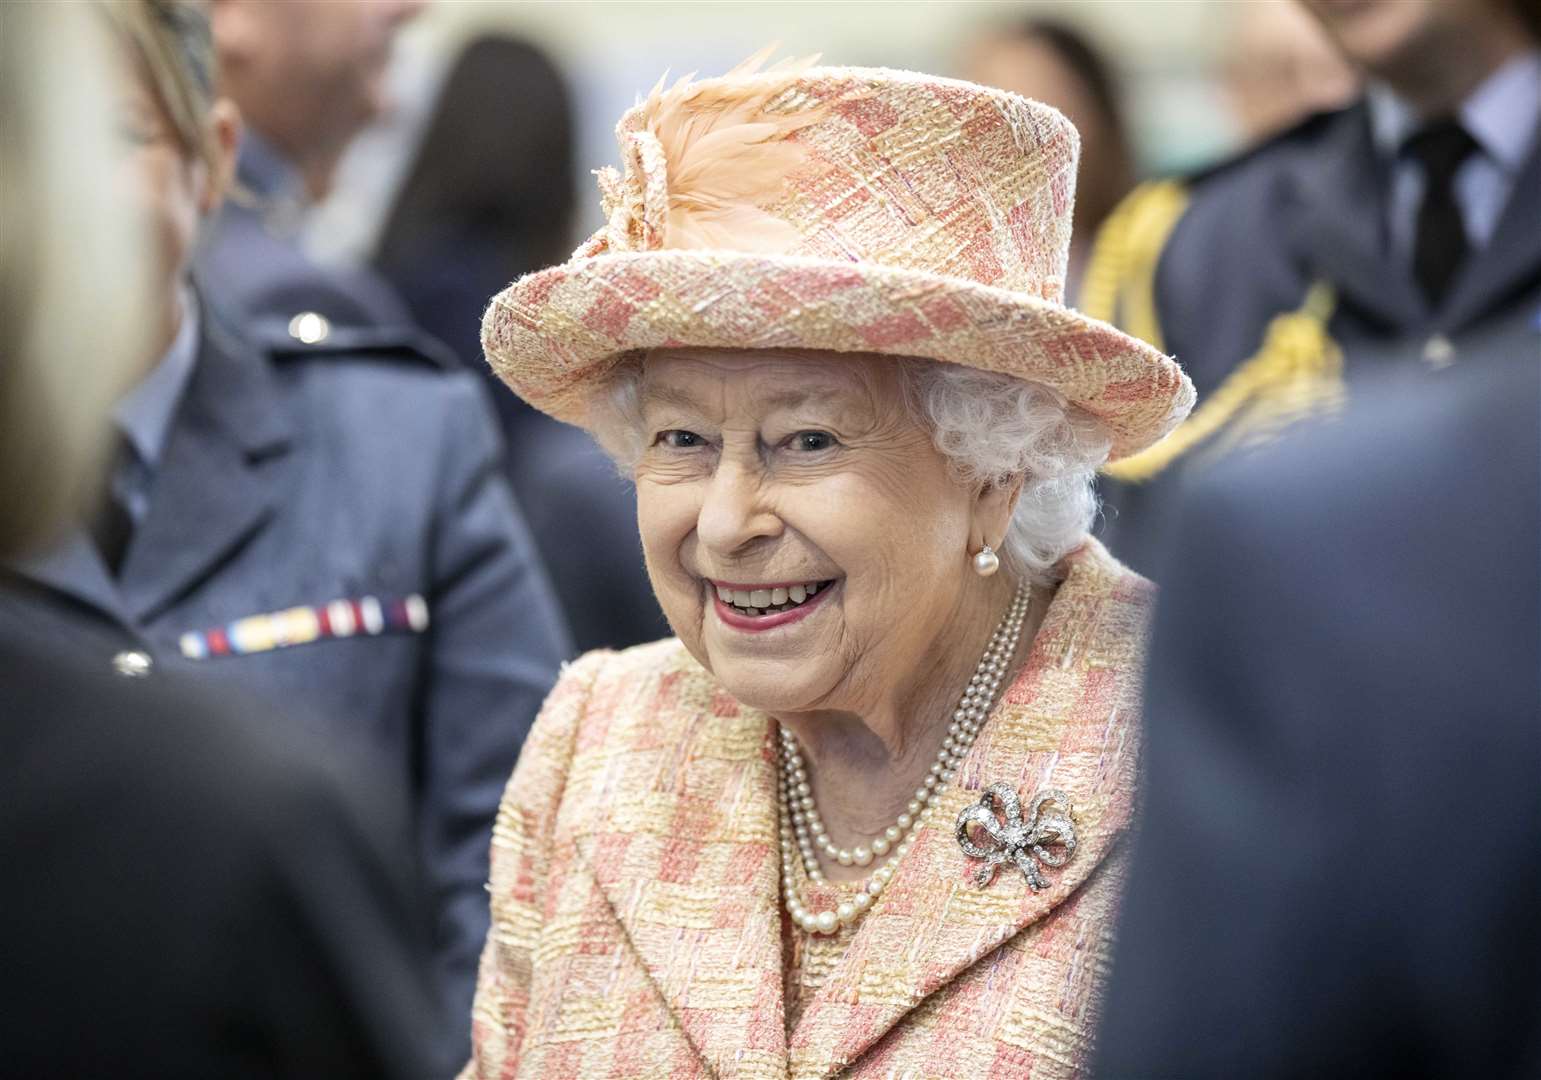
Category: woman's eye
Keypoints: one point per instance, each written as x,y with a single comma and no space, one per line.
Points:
679,439
812,441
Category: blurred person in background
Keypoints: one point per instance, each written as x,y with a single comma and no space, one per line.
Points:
474,211
864,814
1058,64
1338,872
489,197
308,77
321,525
1279,67
193,890
1393,234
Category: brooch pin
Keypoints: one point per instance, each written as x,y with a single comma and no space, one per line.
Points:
1045,836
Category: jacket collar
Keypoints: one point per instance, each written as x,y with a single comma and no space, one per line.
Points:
1336,205
213,489
263,170
1068,721
1512,259
1336,197
216,485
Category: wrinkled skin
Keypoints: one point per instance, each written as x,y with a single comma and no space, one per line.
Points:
783,466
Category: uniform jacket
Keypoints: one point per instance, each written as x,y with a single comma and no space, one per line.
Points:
298,476
253,252
637,919
1340,864
567,486
1307,208
219,895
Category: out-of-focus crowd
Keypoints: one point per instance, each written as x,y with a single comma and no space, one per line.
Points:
289,572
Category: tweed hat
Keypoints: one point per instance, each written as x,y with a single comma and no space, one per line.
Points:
842,209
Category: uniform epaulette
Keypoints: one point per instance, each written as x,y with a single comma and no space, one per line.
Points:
311,335
1119,284
1297,368
1296,372
1303,131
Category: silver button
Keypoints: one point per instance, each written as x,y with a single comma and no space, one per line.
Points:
309,327
132,664
1438,352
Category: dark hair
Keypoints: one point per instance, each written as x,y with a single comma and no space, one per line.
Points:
1105,181
496,160
1529,13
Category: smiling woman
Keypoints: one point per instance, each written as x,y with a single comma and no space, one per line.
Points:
823,332
992,429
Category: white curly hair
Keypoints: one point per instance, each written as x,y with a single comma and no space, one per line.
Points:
991,428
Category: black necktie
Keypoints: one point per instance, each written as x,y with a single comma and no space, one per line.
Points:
1440,244
111,525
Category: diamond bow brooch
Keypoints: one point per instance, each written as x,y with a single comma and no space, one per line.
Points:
1046,835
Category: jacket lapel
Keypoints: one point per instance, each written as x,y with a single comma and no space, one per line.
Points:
75,569
219,481
1068,722
1338,210
683,843
1512,259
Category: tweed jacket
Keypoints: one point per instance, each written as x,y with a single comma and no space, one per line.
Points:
638,926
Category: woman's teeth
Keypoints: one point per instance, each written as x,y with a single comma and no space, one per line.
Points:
768,601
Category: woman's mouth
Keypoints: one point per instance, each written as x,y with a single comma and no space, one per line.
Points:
761,607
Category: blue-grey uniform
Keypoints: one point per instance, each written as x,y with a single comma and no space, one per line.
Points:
325,524
251,253
1339,864
1286,276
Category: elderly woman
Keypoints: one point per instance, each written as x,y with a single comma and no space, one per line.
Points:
862,815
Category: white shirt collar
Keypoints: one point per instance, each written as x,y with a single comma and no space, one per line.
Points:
145,413
1501,114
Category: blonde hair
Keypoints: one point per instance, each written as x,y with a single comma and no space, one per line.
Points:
172,45
72,271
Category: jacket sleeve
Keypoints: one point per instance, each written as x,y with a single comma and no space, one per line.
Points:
497,640
521,883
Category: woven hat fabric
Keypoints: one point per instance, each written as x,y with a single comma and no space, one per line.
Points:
892,212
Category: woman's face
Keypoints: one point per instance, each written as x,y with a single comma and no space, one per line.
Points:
773,477
167,185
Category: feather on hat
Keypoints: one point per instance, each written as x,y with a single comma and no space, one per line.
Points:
837,209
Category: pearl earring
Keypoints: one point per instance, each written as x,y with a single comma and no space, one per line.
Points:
986,562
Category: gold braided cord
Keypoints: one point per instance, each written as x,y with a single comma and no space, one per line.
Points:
1119,285
1296,373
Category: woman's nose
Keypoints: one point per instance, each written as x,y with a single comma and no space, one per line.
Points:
734,512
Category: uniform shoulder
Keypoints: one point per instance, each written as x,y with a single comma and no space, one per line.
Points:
1300,139
1200,212
311,336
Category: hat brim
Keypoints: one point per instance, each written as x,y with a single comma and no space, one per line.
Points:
552,335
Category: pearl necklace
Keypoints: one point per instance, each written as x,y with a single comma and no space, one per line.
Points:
802,830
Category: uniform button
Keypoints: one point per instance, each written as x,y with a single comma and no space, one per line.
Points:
132,664
1438,352
309,327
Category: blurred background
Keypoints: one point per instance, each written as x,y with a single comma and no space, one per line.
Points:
1191,80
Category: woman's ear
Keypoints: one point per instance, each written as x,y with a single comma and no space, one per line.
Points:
993,507
224,122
